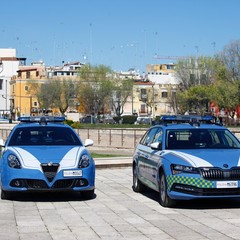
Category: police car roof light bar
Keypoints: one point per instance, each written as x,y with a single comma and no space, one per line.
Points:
41,119
192,119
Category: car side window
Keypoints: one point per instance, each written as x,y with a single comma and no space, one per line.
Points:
149,136
158,136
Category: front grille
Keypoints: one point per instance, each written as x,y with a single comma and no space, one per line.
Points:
36,184
214,174
64,183
50,170
70,183
205,192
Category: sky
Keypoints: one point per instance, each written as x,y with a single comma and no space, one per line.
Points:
120,34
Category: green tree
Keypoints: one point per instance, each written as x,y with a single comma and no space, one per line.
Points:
225,94
122,90
195,99
95,88
52,94
197,76
230,56
194,71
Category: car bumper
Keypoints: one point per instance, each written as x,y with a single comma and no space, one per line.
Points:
180,187
35,180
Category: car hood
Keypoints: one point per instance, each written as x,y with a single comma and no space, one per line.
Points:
32,157
206,157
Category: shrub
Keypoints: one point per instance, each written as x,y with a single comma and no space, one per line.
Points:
129,119
68,122
76,125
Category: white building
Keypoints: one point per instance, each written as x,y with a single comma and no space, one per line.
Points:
163,74
9,64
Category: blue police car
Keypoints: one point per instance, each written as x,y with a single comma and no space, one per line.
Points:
43,154
187,157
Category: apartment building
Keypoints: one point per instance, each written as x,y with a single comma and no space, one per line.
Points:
23,102
9,65
156,94
151,96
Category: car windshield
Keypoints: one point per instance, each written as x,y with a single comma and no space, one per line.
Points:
37,136
201,138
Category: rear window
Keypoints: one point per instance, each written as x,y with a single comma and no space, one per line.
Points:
36,136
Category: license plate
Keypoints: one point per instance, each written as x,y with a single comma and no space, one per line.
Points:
72,173
227,184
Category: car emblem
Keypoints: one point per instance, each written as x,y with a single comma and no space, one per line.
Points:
225,165
50,164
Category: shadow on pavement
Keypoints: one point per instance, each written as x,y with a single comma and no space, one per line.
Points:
218,203
47,197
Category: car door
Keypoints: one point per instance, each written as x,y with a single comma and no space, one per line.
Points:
145,156
154,158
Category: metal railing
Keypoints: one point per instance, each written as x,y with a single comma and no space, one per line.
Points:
112,138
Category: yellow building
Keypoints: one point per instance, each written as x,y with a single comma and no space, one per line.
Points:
22,102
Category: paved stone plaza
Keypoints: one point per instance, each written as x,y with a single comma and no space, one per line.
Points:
116,213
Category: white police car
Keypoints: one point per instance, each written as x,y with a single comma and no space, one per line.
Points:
44,154
192,159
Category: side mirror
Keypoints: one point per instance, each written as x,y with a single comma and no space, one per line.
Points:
2,143
156,146
88,142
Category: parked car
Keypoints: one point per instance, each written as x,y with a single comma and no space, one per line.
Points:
42,154
88,119
144,120
108,120
4,120
192,158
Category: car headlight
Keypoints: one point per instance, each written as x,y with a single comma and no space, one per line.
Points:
84,161
177,169
13,161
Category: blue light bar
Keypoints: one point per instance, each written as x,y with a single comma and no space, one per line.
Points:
169,118
41,118
207,118
186,118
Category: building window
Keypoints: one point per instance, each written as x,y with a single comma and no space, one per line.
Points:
170,67
143,108
143,93
37,73
35,104
1,84
26,88
28,75
164,94
19,74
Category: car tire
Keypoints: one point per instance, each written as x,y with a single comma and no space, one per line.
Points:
88,194
138,186
164,199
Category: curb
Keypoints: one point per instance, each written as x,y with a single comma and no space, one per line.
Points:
113,162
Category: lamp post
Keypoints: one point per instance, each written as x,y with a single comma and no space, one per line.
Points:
1,65
5,97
